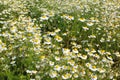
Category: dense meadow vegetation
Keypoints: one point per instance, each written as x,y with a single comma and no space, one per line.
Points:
59,39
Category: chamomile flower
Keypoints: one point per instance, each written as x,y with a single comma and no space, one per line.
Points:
74,43
96,56
75,66
82,19
74,70
57,58
109,57
90,53
102,40
67,57
57,67
57,52
70,17
2,46
71,62
64,34
30,29
66,76
85,28
92,36
57,30
75,75
117,54
93,19
88,64
13,29
90,24
107,53
64,16
53,74
51,63
73,38
51,14
93,50
42,18
83,57
58,38
47,41
31,71
82,73
52,33
67,17
75,50
28,71
93,77
34,71
65,50
64,67
78,46
86,49
73,55
93,68
12,62
101,52
35,41
42,57
101,70
104,59
79,55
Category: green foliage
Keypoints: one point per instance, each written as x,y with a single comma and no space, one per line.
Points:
55,40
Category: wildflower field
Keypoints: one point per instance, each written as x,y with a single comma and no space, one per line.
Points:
59,39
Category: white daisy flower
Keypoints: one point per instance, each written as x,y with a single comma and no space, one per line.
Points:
13,29
90,24
42,18
53,74
94,77
51,63
93,68
57,67
85,28
75,50
65,50
66,76
70,17
82,19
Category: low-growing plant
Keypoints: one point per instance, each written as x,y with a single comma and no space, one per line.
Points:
57,40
